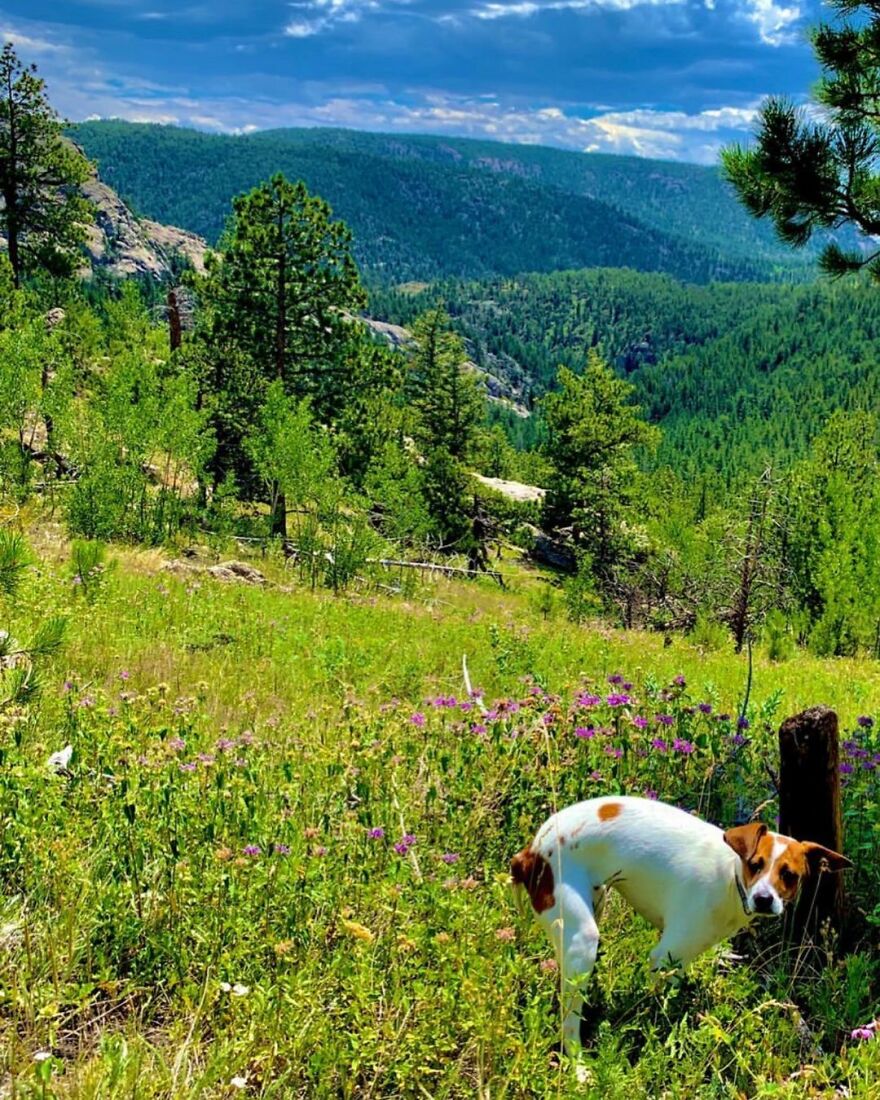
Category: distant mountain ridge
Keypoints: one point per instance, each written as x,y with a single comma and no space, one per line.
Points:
423,208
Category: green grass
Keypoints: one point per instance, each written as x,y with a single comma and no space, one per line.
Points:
152,952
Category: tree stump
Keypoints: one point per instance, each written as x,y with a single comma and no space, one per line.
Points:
809,809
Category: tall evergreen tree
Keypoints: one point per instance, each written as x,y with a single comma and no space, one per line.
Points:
592,432
43,216
445,394
280,294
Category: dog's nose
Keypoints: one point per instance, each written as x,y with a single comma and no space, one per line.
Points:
762,903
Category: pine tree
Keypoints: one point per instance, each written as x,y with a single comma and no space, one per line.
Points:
279,296
43,216
808,175
444,393
592,432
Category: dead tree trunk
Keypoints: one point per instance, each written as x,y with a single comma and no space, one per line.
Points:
175,324
809,809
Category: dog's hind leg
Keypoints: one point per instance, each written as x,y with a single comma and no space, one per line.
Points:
575,935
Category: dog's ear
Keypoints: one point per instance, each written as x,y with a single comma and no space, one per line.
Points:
818,854
522,867
744,839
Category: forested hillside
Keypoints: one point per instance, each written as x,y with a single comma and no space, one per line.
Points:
423,208
738,376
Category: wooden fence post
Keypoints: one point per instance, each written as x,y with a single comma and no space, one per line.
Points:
809,809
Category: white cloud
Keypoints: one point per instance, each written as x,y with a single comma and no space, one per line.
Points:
28,42
668,135
774,22
525,8
321,15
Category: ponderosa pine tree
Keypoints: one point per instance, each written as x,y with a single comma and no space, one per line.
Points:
445,394
280,294
807,174
449,411
592,432
43,215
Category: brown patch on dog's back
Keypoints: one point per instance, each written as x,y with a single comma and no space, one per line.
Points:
609,811
530,869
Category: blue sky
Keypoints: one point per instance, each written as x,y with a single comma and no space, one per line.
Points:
666,78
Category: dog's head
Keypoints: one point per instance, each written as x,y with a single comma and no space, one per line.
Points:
774,867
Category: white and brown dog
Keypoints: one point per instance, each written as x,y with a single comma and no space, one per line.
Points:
693,882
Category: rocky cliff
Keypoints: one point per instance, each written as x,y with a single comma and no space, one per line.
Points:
125,245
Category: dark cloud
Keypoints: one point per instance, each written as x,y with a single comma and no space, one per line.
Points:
656,77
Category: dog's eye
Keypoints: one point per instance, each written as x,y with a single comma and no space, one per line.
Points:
755,865
788,876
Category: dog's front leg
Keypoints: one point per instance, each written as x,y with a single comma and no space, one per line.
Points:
575,936
675,951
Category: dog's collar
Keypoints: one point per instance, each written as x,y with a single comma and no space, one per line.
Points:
741,890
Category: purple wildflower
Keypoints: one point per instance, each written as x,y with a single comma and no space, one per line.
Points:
450,857
680,681
652,795
251,850
206,758
865,721
640,722
615,679
682,746
190,766
742,723
659,744
68,686
596,775
588,700
617,700
124,674
376,834
282,849
418,719
705,708
478,728
613,750
846,768
665,719
586,733
225,743
738,740
404,844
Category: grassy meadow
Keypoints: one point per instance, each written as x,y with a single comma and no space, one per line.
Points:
275,863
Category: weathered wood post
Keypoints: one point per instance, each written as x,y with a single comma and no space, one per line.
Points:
809,809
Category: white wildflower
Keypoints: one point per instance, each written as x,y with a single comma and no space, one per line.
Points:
59,761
